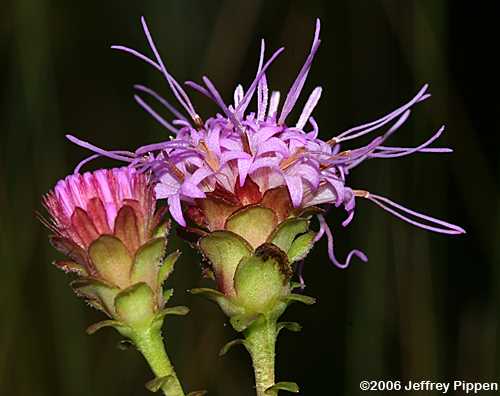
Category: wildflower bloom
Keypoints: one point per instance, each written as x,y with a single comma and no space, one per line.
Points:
108,225
106,222
83,207
210,170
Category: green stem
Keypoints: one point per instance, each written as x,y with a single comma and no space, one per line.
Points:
260,342
149,341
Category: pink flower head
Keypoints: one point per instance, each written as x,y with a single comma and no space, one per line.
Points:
82,207
262,151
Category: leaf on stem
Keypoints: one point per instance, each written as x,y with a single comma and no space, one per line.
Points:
105,323
156,384
241,322
225,349
290,326
180,310
300,298
286,386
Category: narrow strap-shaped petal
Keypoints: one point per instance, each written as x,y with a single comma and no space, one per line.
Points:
296,189
174,206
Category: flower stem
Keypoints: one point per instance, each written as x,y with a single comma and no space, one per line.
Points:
149,341
260,342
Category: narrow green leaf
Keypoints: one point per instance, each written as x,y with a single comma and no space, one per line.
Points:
105,323
180,310
198,393
241,322
300,298
124,345
286,386
231,344
229,308
211,294
290,326
156,384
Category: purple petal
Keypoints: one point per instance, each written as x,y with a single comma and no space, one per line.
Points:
174,206
296,189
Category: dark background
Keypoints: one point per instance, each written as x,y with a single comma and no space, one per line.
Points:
424,307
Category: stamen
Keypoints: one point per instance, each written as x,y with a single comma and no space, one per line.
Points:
177,90
160,99
262,98
97,150
211,159
273,104
236,123
155,115
401,151
248,96
371,126
287,162
96,156
300,271
137,54
392,207
175,170
299,82
361,193
326,230
309,107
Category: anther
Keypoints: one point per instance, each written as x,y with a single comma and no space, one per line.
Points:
332,141
198,122
287,162
361,193
175,170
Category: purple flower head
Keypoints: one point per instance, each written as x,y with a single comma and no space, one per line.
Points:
241,157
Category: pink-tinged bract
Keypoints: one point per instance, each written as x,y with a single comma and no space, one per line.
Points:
119,202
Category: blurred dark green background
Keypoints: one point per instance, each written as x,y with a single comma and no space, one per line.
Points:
424,307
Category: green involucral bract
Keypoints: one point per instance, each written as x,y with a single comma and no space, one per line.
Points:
253,260
128,287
